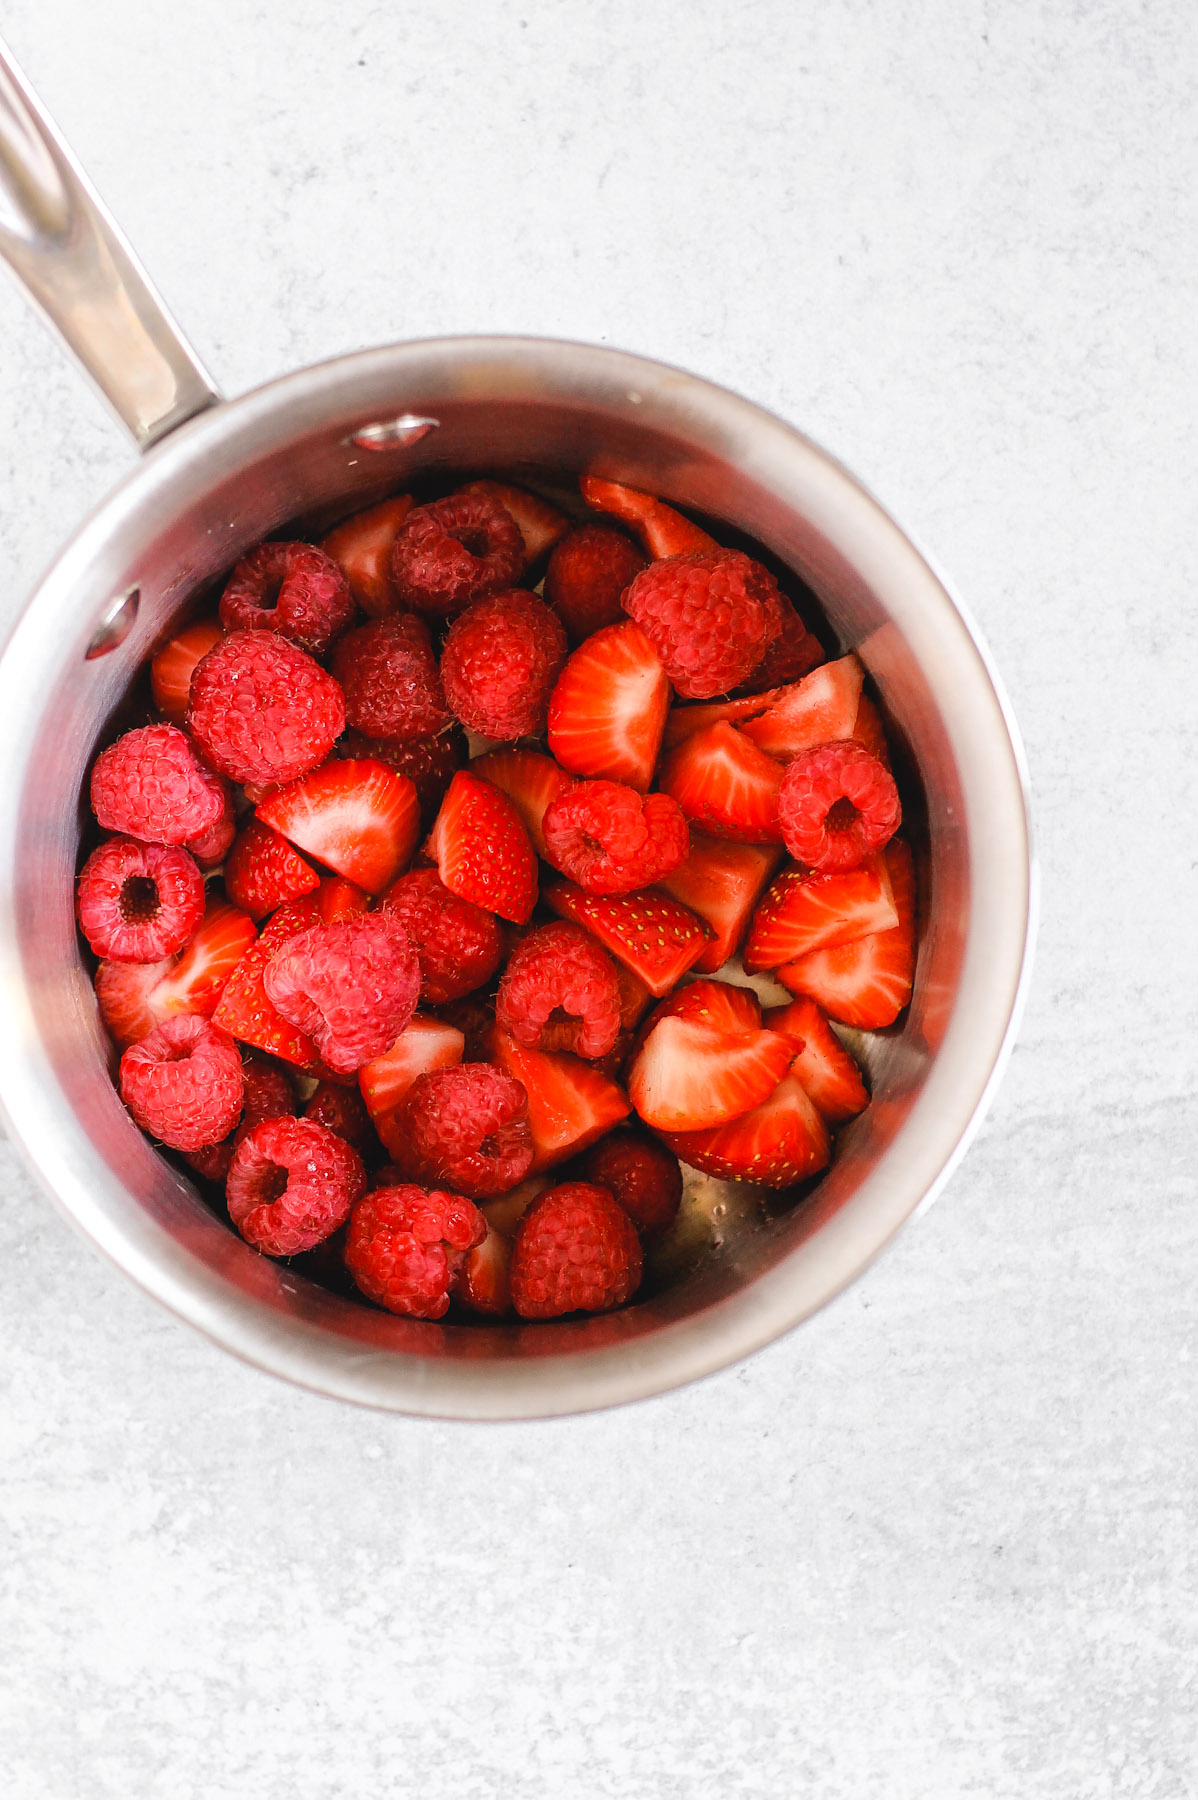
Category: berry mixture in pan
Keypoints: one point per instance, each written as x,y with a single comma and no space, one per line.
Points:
433,907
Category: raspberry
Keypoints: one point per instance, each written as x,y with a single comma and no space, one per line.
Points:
268,1095
261,710
430,764
710,616
560,970
351,986
183,1082
459,945
467,1125
588,571
151,785
343,1110
291,1184
612,840
389,674
293,589
500,662
405,1246
455,551
793,654
641,1176
836,804
575,1251
475,1019
139,902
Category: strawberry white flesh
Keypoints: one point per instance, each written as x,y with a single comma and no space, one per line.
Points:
817,710
357,817
688,1076
721,882
532,783
425,1044
803,912
608,709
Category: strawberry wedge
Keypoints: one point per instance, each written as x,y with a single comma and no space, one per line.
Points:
357,817
361,548
725,785
684,721
608,709
866,983
134,997
532,783
263,870
817,710
652,935
244,1010
721,881
425,1044
661,530
170,671
482,851
688,1076
779,1143
802,912
570,1104
823,1065
720,1005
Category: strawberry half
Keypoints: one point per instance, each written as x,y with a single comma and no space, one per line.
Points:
570,1104
803,912
780,1142
532,783
482,850
720,1005
688,1076
725,785
483,1282
684,721
721,881
823,1065
661,530
817,710
134,997
361,548
244,1010
868,982
869,731
357,817
170,671
649,933
608,709
339,899
262,870
426,1044
541,525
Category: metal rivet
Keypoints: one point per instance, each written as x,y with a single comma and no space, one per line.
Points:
116,622
390,434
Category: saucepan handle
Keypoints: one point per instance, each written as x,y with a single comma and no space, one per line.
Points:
77,267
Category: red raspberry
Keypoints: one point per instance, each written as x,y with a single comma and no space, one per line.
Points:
835,805
139,902
151,785
343,1110
430,764
291,1184
183,1082
261,710
459,945
268,1095
455,551
500,662
475,1019
588,571
294,589
467,1125
351,986
575,1251
405,1246
560,969
793,654
710,616
641,1176
389,673
612,840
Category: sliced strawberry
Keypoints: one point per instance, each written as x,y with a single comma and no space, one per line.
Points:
123,990
817,710
803,912
532,783
484,1281
244,1010
649,933
570,1104
608,710
661,530
426,1044
361,547
481,849
506,1213
262,870
688,1076
725,785
684,721
868,982
869,731
340,899
721,881
780,1142
822,1063
134,997
357,817
170,671
635,997
720,1005
541,525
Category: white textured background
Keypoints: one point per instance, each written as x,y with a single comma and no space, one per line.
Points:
940,1543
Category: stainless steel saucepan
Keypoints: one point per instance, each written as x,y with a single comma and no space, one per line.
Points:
217,475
